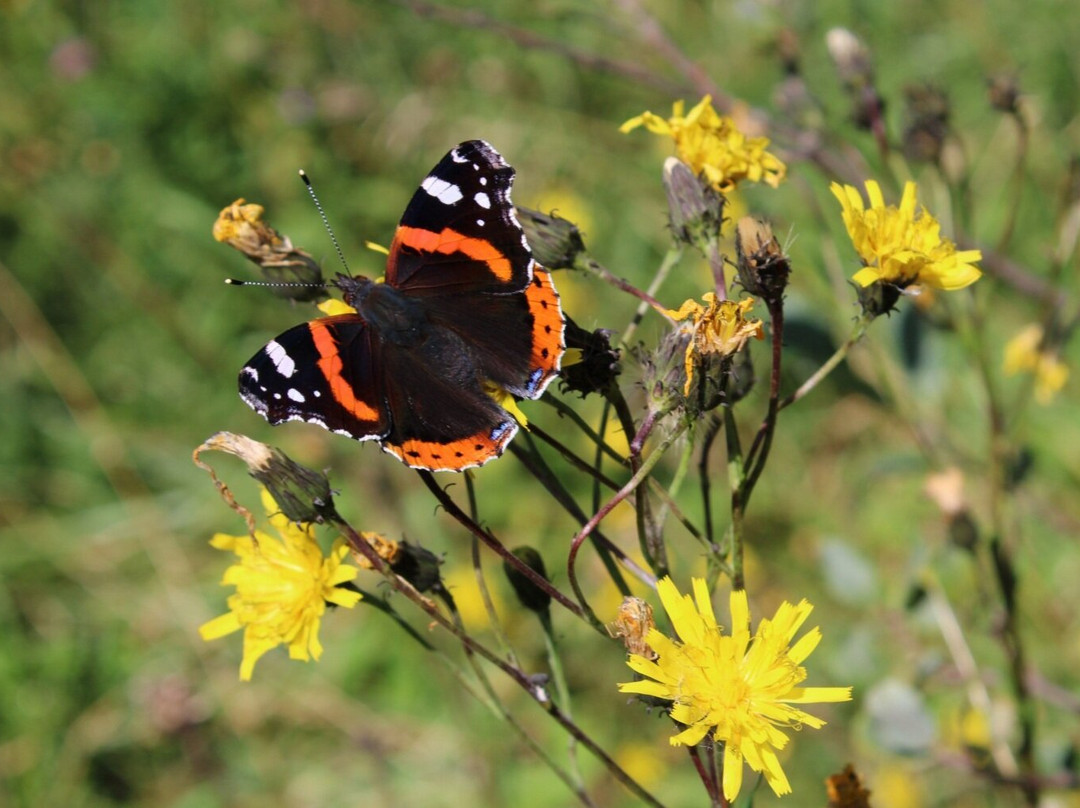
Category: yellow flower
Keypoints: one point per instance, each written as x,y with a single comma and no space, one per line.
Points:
282,588
901,246
739,688
720,327
1025,353
713,147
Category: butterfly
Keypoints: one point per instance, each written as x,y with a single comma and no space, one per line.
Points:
464,310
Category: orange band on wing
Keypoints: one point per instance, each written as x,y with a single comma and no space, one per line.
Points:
331,366
450,241
454,456
549,340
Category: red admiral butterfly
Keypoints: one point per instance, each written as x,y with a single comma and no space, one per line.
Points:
463,304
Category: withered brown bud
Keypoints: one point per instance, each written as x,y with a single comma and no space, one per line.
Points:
532,597
1004,92
927,122
302,494
555,241
241,226
593,365
695,209
762,267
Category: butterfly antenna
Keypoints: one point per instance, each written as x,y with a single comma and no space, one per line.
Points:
235,282
325,221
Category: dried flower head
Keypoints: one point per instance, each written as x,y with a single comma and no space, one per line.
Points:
762,266
739,688
241,226
632,625
901,246
713,146
719,328
282,587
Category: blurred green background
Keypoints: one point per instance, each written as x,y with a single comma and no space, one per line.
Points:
126,126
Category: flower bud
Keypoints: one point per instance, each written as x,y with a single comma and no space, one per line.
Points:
555,242
928,123
851,58
1004,92
531,596
417,565
695,208
853,64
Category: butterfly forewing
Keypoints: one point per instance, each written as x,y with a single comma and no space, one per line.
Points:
459,232
321,372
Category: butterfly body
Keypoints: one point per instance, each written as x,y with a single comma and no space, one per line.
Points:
463,308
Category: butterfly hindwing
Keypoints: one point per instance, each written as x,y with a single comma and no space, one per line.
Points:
444,421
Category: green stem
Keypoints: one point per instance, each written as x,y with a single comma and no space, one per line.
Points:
635,482
652,545
527,683
1016,182
830,364
736,483
558,676
495,545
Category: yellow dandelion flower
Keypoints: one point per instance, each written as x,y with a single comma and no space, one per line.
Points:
902,246
739,688
713,146
720,327
1025,353
282,588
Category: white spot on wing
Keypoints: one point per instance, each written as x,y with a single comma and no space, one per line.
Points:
445,192
317,394
254,374
483,200
479,222
296,395
455,155
281,359
483,180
